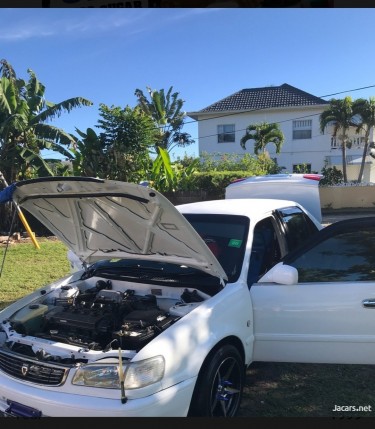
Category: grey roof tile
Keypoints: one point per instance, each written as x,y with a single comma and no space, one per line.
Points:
265,98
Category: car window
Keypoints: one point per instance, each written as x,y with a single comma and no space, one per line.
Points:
346,256
297,225
265,250
226,236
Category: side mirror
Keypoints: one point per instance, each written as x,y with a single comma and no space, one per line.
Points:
280,274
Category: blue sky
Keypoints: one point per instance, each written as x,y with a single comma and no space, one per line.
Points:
206,54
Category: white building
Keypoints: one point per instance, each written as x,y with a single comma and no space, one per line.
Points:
222,125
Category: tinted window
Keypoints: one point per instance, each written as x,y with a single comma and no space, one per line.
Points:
346,256
265,250
226,236
298,227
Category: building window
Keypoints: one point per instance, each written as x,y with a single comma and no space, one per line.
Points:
226,133
302,129
301,168
334,143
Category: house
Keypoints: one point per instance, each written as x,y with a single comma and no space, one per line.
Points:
222,124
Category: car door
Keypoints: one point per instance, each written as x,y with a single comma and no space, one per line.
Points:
296,226
275,236
327,314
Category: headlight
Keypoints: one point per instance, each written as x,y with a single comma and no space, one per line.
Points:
137,374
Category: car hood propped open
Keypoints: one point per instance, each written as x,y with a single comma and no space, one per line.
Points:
105,219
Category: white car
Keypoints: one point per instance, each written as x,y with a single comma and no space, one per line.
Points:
173,303
300,187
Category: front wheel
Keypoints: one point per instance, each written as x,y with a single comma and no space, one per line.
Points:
220,384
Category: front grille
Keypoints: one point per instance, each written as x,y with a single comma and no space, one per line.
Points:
31,370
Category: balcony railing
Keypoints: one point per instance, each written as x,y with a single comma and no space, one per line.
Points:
356,143
350,160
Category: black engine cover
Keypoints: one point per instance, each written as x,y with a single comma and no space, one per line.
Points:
73,319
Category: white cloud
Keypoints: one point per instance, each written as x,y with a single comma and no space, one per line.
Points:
18,25
25,24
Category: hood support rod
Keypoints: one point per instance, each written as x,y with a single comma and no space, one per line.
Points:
21,216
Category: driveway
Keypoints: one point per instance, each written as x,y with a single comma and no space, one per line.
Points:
336,215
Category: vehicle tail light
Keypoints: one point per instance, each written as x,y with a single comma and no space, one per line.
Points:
312,176
238,180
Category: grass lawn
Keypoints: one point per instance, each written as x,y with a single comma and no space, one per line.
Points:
308,390
27,268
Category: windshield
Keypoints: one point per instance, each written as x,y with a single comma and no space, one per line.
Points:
226,236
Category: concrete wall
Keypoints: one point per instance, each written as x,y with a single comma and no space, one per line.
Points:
341,197
352,170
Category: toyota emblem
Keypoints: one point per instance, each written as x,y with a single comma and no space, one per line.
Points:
24,369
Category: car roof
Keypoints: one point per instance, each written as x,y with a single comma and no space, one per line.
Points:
301,188
250,207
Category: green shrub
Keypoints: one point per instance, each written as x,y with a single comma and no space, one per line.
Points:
331,176
254,165
215,182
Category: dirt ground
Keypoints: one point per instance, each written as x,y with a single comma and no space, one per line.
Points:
18,239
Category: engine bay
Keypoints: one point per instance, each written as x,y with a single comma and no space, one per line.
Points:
90,319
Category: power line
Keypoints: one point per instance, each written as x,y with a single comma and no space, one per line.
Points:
350,90
265,108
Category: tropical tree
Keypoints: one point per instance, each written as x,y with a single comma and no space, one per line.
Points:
262,134
121,150
166,112
168,176
89,152
364,116
339,114
24,128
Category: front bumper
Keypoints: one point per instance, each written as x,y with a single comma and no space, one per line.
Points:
171,402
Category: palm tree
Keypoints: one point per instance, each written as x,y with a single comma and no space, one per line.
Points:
166,112
24,132
339,114
364,112
263,134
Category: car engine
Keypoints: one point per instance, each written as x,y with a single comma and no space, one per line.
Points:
99,318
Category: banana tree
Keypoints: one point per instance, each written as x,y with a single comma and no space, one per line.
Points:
166,176
166,111
24,128
89,155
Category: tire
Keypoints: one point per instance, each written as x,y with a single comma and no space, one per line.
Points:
220,383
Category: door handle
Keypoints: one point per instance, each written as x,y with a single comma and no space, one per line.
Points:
370,302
